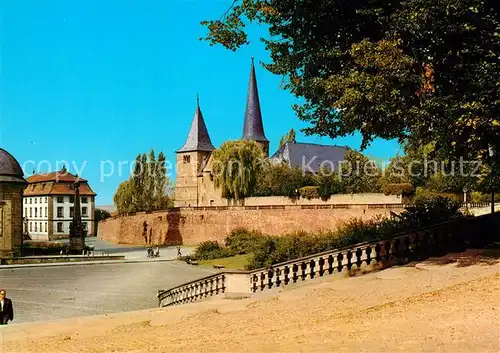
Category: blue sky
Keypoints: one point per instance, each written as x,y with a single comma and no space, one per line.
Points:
102,80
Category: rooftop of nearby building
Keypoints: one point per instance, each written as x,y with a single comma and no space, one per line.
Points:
56,183
10,170
310,156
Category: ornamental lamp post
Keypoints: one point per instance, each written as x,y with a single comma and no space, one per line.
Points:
24,235
491,152
465,190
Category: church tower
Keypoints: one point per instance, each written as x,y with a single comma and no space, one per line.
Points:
190,160
253,129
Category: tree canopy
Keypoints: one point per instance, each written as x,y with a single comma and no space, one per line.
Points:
236,165
148,187
421,71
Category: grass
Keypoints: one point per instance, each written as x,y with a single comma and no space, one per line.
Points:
237,262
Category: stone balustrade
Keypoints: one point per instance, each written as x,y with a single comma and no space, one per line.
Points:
437,240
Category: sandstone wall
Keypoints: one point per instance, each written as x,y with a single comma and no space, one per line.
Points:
340,199
192,226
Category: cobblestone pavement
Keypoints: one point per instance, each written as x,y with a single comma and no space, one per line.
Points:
46,293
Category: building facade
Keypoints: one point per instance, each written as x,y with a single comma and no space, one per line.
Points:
48,205
12,184
195,179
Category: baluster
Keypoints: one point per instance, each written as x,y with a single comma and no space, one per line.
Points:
312,265
206,288
339,261
378,250
303,267
396,248
368,252
278,274
287,275
321,263
223,279
270,274
359,254
295,270
330,264
217,280
255,279
349,259
387,249
262,280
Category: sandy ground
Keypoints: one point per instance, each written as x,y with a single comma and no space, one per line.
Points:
445,305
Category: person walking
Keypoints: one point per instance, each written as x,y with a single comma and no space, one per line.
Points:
6,309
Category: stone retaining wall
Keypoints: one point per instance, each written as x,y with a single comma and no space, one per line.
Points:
191,226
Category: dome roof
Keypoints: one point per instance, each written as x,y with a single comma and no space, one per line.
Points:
10,170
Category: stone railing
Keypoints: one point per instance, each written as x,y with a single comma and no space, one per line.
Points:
456,235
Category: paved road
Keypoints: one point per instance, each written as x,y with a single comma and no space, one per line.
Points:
131,252
46,293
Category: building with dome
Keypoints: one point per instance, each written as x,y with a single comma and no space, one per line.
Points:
12,186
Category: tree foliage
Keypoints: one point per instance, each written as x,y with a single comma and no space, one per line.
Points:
236,165
147,189
288,137
422,71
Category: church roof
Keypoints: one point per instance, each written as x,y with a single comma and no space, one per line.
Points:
309,156
253,129
198,138
10,170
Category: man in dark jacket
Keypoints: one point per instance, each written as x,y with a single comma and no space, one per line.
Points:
6,309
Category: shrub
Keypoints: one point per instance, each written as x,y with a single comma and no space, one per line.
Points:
243,241
43,248
209,250
404,189
309,192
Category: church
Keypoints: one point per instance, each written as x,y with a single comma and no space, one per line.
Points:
195,180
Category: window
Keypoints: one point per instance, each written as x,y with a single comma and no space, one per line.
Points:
36,227
84,224
33,187
41,214
71,199
46,199
59,227
41,200
31,212
36,212
35,199
85,199
186,159
31,226
60,212
45,227
43,186
84,211
60,199
31,201
25,201
46,213
41,227
71,212
25,211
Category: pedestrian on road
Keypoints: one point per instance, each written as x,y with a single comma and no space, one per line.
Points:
179,251
6,309
157,251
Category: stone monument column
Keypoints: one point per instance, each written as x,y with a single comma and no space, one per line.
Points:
76,231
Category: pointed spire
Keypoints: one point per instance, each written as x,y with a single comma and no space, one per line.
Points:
253,129
198,138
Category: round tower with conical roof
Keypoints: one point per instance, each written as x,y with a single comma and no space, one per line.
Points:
12,185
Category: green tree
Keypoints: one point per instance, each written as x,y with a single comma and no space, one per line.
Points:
288,137
328,183
124,197
236,166
358,174
99,215
422,71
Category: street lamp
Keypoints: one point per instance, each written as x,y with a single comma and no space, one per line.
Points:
491,152
465,190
